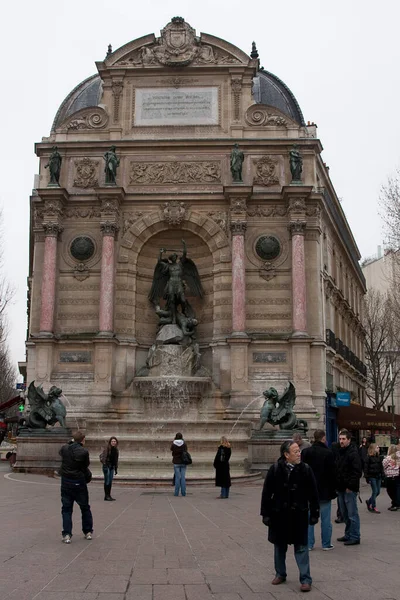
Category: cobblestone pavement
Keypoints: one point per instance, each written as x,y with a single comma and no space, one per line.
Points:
149,545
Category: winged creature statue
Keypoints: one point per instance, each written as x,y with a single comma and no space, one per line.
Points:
46,409
279,410
171,277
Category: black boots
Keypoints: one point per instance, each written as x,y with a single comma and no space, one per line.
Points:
107,493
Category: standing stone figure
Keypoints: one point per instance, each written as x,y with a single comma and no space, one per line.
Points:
54,166
237,158
112,163
296,163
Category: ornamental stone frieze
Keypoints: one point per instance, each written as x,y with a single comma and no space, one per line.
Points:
297,205
220,217
259,115
236,84
82,213
130,219
238,206
162,173
116,88
86,119
86,173
263,211
266,174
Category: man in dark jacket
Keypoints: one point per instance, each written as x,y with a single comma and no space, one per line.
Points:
322,462
348,473
289,495
75,475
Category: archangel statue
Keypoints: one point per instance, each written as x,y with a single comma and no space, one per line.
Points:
110,168
296,163
171,276
46,409
279,410
54,166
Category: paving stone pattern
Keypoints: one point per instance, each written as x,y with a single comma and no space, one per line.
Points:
149,545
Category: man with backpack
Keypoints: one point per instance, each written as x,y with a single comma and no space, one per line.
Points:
75,475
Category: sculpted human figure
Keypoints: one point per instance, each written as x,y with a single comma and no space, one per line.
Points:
296,163
237,158
54,166
112,163
168,283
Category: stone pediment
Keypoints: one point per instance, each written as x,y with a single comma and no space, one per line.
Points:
93,117
178,45
262,115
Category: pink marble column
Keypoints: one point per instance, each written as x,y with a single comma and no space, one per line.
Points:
299,279
238,279
107,279
49,278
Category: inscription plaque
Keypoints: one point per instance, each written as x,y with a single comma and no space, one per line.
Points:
269,357
171,106
82,356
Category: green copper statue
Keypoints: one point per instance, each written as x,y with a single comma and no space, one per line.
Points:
54,166
110,168
296,163
279,410
237,158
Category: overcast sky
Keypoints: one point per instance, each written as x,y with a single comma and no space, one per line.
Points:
340,58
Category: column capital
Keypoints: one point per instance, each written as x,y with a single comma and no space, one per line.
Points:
238,227
297,227
109,228
52,229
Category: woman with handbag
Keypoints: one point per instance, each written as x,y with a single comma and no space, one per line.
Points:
391,467
221,466
109,459
373,471
179,450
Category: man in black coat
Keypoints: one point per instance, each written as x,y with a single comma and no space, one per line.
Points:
289,496
348,474
322,462
75,475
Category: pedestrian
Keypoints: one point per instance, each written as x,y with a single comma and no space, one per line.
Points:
109,460
348,475
373,472
289,495
363,451
335,447
178,446
221,466
302,444
321,459
391,468
75,475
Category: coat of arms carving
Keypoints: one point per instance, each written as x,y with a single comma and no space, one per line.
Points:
86,173
266,171
174,212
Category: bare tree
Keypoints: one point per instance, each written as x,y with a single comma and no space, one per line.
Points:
7,371
389,202
381,347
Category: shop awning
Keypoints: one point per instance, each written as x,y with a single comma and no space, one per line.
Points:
356,417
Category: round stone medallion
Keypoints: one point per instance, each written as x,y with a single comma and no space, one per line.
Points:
82,248
268,247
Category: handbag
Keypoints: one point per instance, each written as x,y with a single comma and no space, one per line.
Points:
186,458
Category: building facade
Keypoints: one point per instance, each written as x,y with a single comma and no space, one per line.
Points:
276,257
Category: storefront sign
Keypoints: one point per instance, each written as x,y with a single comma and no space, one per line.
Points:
343,399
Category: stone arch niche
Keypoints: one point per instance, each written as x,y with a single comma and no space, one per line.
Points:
139,248
146,319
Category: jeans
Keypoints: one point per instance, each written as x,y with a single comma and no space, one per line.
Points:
326,526
302,559
349,510
73,491
180,479
108,473
376,490
224,492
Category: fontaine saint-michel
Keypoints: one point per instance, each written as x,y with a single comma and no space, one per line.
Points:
185,136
